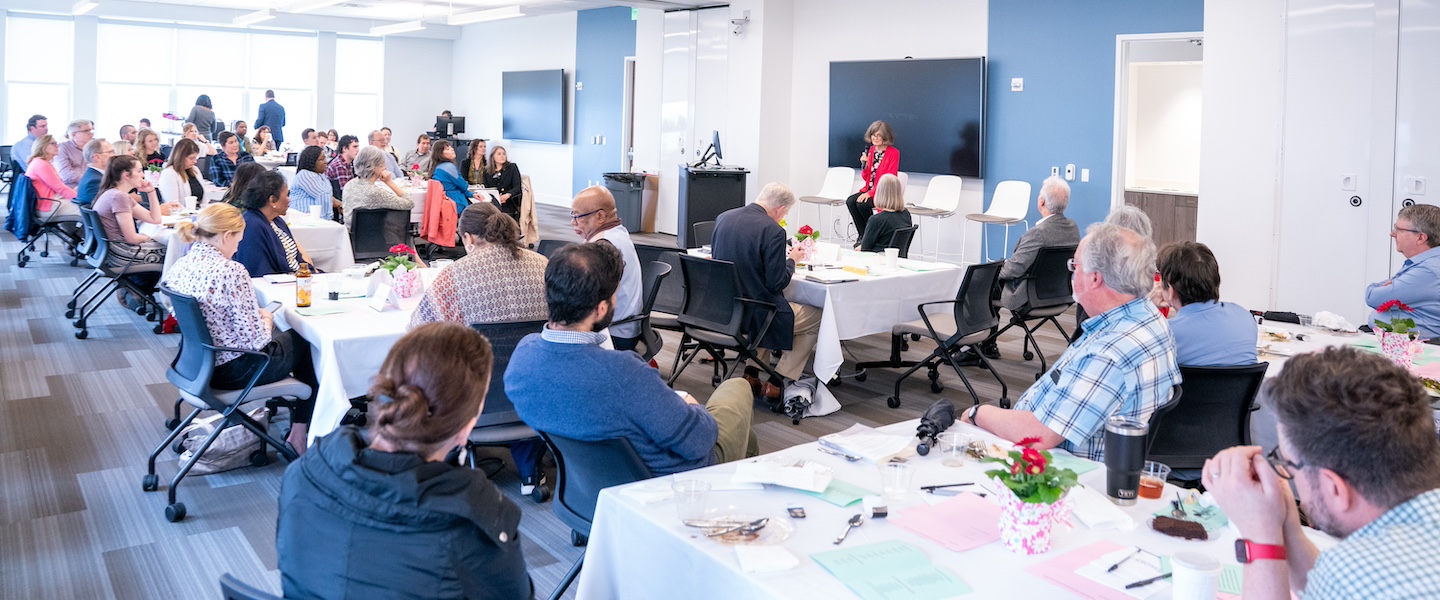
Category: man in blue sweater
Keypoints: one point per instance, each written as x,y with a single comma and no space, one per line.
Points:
562,381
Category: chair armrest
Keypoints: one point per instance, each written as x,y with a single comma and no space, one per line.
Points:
264,364
635,318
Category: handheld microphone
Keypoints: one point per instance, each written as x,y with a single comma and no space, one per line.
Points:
939,417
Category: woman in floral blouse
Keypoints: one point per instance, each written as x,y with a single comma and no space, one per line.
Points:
222,287
497,281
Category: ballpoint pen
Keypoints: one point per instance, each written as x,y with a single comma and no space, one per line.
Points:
1122,561
946,485
1145,582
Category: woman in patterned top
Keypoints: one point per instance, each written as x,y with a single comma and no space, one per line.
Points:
222,287
497,281
269,248
372,186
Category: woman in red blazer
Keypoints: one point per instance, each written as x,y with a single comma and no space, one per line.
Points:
883,158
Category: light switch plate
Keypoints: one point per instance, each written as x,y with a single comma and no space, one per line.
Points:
1017,84
1054,171
1084,175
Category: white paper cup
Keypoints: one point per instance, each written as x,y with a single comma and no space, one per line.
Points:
315,212
192,202
892,257
1195,577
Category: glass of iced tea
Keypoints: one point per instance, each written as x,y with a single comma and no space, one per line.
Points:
1152,479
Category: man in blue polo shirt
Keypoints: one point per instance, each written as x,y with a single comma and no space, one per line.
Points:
1208,332
1417,283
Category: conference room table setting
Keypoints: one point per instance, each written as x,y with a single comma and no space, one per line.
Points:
327,242
416,193
937,535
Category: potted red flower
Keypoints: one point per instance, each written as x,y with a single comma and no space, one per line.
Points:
806,237
1032,496
1399,340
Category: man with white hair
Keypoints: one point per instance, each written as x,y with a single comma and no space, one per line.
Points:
1123,365
751,237
70,162
379,140
97,155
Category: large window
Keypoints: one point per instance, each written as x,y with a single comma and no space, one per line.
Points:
359,64
39,68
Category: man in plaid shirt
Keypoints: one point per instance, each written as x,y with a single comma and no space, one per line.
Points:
342,169
1123,365
1357,441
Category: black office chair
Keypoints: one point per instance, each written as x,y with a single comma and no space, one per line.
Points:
499,425
234,589
1160,414
548,248
42,228
89,250
901,239
190,373
651,277
376,230
7,168
703,232
115,262
717,316
338,191
584,469
972,319
1215,415
1049,296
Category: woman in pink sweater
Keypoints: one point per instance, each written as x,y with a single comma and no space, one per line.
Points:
49,189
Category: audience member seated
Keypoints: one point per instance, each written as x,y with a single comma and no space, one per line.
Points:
1207,332
1124,365
881,158
594,218
241,132
147,149
418,160
751,237
504,177
181,178
386,136
562,381
202,116
118,210
1053,229
310,188
442,169
1357,443
50,190
127,133
890,200
36,127
1417,283
373,186
1131,218
382,514
473,167
97,154
222,286
380,141
70,161
332,141
342,168
268,246
222,165
264,142
192,133
244,174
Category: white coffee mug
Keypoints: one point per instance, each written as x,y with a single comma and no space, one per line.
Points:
892,257
315,212
1195,577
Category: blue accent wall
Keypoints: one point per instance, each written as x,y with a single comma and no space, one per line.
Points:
1065,51
604,38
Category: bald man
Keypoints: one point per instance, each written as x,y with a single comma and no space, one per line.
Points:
594,217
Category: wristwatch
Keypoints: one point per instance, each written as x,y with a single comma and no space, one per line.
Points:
974,410
1247,551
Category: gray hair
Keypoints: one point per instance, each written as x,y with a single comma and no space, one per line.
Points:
75,126
776,195
370,139
369,161
889,194
1426,219
92,148
1131,218
1121,256
1056,194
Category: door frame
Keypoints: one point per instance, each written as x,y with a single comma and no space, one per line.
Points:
1122,102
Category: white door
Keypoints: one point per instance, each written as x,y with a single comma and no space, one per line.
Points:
1417,125
676,139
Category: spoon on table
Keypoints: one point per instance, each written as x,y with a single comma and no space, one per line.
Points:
854,522
1178,508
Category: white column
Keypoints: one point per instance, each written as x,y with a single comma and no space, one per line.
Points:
325,80
85,89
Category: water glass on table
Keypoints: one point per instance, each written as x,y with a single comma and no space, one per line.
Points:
691,496
953,447
895,481
1152,479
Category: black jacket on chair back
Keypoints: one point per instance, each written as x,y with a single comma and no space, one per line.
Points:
748,237
359,523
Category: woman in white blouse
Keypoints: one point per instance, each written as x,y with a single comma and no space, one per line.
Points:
181,177
372,186
222,287
190,132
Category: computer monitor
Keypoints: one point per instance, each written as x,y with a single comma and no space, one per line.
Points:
449,126
715,143
712,152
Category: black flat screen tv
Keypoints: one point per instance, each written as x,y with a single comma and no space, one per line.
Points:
533,105
935,108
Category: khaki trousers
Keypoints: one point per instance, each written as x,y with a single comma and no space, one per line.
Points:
807,330
733,408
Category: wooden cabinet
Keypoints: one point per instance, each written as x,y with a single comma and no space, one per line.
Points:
1171,215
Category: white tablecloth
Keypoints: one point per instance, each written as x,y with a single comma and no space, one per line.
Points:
327,242
347,348
287,172
417,195
874,304
271,161
640,551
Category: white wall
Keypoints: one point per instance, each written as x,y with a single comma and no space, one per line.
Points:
418,74
483,52
1240,158
649,53
1164,128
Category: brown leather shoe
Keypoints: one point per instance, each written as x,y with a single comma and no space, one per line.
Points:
771,392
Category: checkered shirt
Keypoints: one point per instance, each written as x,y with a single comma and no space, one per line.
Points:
1123,365
1392,557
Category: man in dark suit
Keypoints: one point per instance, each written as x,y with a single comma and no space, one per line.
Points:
272,115
97,155
751,237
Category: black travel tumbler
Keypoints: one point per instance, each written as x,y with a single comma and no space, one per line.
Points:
1124,457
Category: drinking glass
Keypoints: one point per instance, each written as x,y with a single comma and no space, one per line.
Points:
691,496
895,481
1152,479
952,448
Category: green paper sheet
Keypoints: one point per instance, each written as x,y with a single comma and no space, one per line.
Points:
841,493
890,571
1210,516
322,310
1079,465
1232,577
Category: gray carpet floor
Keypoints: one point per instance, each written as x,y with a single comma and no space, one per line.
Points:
79,417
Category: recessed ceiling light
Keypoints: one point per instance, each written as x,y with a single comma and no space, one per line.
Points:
480,16
254,17
405,27
84,6
308,5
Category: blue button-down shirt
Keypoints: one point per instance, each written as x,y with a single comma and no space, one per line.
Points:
1417,284
1391,557
1214,334
1123,365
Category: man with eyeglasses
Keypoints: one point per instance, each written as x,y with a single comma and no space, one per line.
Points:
70,162
594,218
1417,283
1123,365
1357,442
97,154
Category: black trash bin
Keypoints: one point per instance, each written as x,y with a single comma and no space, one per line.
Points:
628,189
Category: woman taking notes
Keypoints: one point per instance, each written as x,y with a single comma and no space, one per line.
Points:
890,199
443,169
882,158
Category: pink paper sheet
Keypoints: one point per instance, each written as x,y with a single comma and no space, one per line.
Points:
959,524
1061,571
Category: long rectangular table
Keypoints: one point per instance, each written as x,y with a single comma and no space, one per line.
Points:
641,551
327,242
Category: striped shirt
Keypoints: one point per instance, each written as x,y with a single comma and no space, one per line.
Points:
1391,557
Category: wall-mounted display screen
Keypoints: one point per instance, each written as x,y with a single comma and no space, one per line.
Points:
533,105
935,108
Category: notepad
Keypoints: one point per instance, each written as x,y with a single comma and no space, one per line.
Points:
322,310
842,493
831,276
866,442
960,523
890,571
280,278
1137,567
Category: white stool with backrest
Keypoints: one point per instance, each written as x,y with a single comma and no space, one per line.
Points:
1008,206
942,199
838,181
